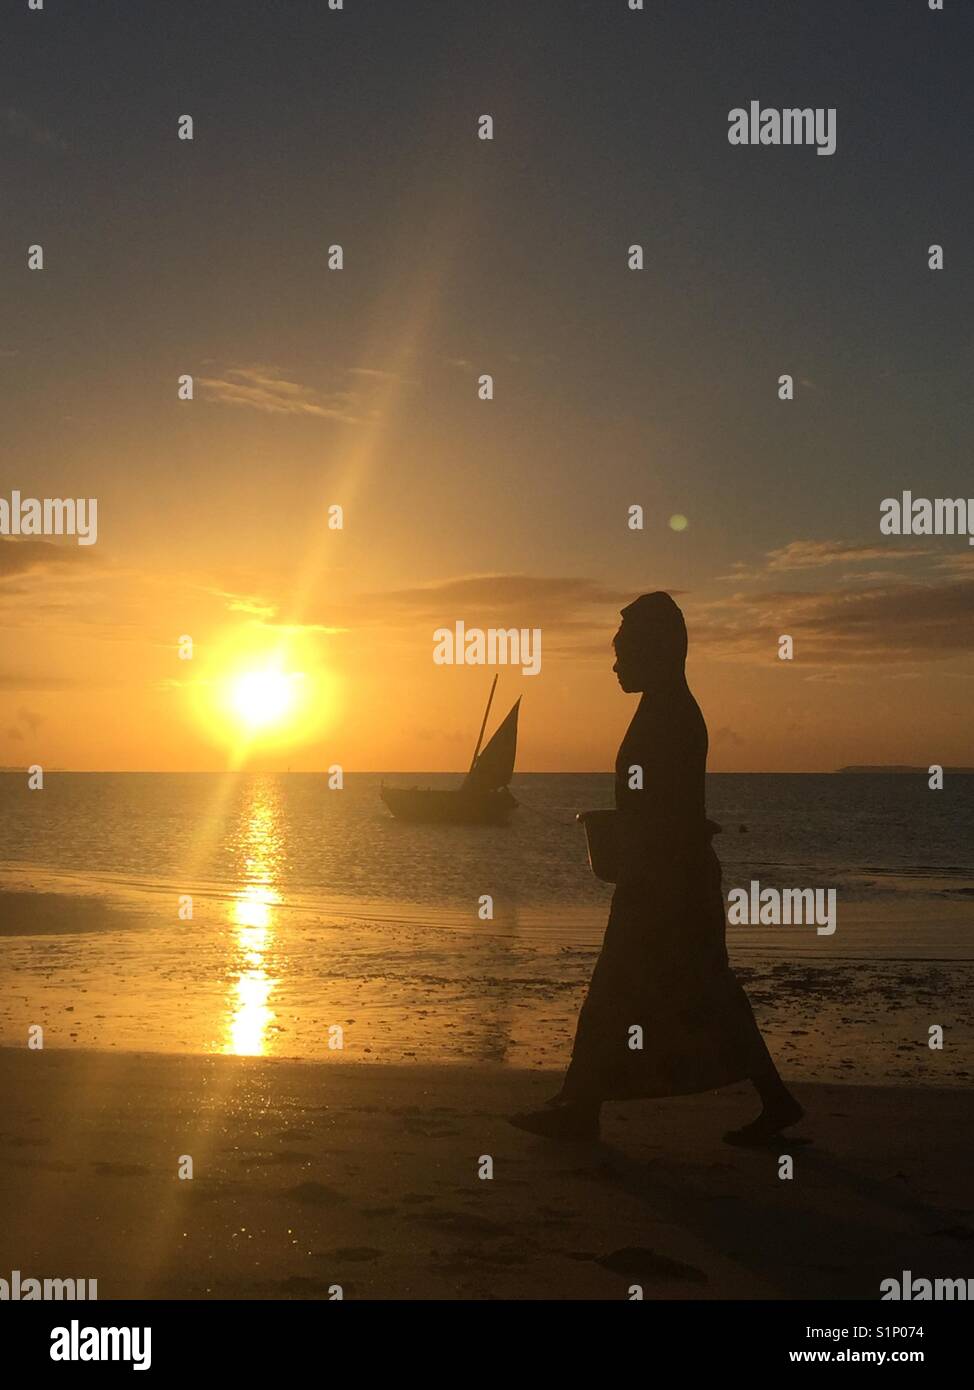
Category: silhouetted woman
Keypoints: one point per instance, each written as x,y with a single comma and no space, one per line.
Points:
663,968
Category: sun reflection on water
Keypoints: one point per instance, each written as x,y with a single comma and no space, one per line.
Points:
249,1015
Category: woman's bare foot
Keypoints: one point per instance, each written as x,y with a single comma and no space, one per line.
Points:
562,1121
771,1121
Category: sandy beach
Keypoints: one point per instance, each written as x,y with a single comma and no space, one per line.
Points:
359,1169
308,1176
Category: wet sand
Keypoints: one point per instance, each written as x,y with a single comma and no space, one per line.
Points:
252,978
312,1175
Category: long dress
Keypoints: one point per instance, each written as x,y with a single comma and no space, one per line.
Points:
664,1014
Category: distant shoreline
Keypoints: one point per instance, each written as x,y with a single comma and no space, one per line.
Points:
899,768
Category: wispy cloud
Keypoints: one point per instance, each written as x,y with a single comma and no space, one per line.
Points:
375,372
490,598
847,624
265,389
251,604
889,611
23,556
803,555
578,615
813,555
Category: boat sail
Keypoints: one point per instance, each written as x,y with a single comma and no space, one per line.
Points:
483,798
494,767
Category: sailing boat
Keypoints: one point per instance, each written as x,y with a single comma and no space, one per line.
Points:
483,798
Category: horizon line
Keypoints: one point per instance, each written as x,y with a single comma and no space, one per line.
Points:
848,768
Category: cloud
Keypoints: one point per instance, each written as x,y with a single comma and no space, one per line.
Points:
265,389
816,555
252,606
960,562
803,555
882,613
265,612
849,624
374,372
578,615
485,599
21,557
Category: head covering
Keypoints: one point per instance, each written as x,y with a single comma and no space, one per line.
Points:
655,623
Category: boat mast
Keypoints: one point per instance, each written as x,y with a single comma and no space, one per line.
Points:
480,736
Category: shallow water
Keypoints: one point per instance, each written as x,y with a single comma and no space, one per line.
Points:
313,910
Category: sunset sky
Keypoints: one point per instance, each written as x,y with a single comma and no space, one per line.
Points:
359,387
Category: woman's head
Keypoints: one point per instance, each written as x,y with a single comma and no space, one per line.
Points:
651,644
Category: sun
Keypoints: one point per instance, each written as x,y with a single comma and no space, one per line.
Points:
263,699
255,693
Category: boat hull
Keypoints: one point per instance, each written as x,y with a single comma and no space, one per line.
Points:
449,806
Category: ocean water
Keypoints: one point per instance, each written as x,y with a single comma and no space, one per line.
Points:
872,837
254,913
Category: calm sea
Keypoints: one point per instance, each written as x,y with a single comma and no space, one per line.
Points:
874,838
248,913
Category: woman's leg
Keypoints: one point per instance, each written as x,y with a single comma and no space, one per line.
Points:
779,1107
574,1113
765,1077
